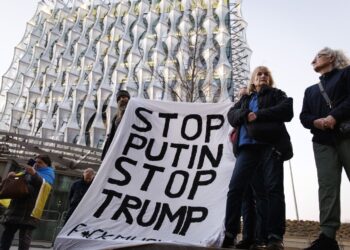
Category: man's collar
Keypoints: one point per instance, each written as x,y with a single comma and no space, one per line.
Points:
329,74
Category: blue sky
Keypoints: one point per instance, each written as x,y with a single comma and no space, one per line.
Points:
284,35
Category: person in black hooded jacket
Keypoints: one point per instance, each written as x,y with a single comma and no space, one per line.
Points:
263,145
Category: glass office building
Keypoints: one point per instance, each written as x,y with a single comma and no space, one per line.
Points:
60,89
75,55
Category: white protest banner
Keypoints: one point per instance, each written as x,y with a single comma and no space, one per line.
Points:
164,179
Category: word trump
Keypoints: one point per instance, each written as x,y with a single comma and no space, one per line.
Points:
185,215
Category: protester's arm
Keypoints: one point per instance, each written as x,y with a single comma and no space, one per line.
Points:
35,179
282,111
106,147
10,174
307,118
237,115
109,138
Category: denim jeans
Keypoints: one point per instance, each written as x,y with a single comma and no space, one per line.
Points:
254,212
273,192
261,163
249,214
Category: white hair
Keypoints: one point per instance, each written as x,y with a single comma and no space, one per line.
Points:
340,59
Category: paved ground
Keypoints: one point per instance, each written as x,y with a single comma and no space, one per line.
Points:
290,244
36,246
47,246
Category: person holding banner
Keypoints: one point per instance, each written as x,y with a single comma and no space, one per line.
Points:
123,98
262,146
23,214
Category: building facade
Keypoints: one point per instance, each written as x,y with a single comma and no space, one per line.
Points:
75,55
60,88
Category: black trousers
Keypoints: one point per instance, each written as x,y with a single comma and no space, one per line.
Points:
25,236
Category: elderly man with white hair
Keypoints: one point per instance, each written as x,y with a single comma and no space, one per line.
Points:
326,105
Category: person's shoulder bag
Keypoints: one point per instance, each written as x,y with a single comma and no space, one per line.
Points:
14,187
344,126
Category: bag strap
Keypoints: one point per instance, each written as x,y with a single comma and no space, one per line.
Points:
325,96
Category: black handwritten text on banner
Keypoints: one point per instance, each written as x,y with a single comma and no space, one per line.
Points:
164,178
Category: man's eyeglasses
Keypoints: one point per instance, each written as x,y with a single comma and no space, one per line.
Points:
321,54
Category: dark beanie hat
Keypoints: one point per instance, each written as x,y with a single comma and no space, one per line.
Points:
122,93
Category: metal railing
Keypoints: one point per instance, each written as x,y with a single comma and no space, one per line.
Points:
68,155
